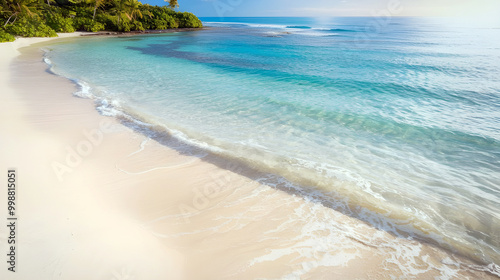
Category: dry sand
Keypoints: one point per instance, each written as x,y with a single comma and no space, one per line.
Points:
96,200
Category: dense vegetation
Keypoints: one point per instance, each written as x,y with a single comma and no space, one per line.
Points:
43,18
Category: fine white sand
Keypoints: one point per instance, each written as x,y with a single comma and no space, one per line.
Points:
65,229
96,200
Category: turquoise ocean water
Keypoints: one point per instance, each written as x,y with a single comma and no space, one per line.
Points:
400,116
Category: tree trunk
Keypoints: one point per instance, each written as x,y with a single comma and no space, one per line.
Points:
95,9
8,20
14,20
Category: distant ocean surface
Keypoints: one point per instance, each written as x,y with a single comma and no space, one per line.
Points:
400,117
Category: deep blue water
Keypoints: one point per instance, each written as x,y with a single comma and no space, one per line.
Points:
401,116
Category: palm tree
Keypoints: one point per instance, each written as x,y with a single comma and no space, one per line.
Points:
128,8
98,3
133,9
18,7
172,4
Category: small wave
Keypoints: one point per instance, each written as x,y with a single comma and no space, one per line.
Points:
337,30
316,34
276,34
277,26
303,30
85,90
259,25
111,109
299,27
47,61
341,30
244,24
214,23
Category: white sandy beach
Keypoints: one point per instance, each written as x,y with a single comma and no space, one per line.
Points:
97,200
66,230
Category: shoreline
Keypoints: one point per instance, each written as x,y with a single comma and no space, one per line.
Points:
125,177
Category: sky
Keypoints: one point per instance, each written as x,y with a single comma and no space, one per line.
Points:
484,9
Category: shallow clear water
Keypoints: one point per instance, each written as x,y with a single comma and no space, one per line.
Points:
401,117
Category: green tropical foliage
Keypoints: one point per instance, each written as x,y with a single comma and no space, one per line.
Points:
43,18
6,37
